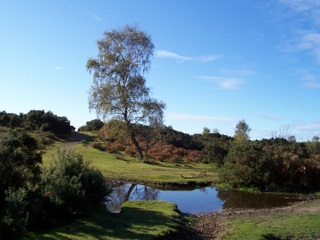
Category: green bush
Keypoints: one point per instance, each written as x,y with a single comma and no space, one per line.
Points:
72,186
16,216
246,166
19,162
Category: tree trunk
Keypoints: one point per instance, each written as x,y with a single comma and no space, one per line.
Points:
127,197
136,144
130,128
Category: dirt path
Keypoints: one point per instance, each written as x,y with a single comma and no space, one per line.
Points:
75,138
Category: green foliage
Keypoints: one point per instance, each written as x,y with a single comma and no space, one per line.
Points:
19,162
93,125
214,153
16,215
72,186
178,139
36,120
216,146
245,165
47,122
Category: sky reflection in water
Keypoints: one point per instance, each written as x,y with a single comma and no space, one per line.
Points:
203,200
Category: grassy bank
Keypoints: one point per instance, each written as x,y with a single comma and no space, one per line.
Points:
137,220
301,221
120,166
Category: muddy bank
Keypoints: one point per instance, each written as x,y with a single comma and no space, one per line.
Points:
214,225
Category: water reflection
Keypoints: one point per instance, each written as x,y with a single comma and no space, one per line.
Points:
255,200
207,199
126,192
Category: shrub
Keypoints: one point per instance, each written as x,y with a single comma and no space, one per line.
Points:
19,162
72,186
97,145
214,153
195,156
246,165
15,217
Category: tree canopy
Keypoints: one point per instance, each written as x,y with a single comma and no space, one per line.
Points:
242,131
119,89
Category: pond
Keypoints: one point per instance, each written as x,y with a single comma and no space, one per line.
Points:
209,199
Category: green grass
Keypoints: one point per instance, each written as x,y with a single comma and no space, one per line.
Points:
301,223
137,220
120,166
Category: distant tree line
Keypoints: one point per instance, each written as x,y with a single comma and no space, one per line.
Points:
276,164
91,126
37,120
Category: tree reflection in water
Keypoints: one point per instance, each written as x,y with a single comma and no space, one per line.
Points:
207,199
124,192
255,200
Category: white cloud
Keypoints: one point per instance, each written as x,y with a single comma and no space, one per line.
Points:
180,58
208,58
306,36
198,118
167,54
228,83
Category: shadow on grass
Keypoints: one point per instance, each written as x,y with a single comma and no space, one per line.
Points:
270,237
131,223
273,237
78,137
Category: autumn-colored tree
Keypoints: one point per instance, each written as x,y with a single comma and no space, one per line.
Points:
119,89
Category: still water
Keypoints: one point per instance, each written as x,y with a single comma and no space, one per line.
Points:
202,200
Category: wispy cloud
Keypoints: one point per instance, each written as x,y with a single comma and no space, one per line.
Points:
94,16
97,18
310,80
312,126
306,33
239,72
198,118
228,83
207,58
181,58
171,55
302,5
310,41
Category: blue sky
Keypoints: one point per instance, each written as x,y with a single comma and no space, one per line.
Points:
215,62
